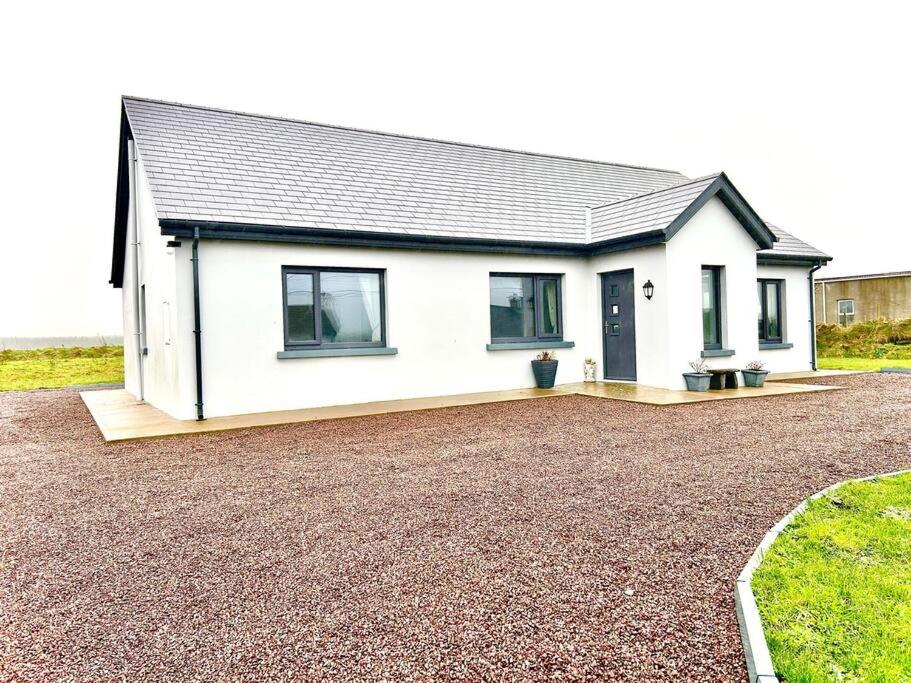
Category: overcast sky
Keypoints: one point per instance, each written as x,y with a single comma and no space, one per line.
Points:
805,105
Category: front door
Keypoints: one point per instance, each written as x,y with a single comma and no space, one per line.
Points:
619,314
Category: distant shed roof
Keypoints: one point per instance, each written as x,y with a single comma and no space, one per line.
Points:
866,276
223,168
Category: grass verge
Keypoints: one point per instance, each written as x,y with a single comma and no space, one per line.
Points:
873,364
50,368
834,590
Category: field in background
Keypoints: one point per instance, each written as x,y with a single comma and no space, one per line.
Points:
49,368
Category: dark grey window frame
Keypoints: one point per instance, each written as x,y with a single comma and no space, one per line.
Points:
317,343
537,279
763,303
716,285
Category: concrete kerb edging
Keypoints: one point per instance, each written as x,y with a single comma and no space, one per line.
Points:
755,647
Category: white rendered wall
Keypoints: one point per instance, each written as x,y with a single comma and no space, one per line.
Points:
713,237
160,366
796,319
128,293
437,316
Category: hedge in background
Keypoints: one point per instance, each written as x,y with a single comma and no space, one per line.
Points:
886,339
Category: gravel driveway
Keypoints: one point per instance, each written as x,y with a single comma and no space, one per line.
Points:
567,536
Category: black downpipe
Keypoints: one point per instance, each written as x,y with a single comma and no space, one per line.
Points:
813,315
197,331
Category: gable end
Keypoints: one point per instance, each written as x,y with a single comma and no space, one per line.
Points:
735,203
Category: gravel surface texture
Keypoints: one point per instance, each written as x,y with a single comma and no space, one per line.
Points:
568,537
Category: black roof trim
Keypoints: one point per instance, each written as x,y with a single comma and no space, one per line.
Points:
357,238
724,189
353,238
122,202
773,259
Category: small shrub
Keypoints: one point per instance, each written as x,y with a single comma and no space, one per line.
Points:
755,365
699,366
546,355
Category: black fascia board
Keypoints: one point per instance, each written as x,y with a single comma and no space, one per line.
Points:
122,201
735,203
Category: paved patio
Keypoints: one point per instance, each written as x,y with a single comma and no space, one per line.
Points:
121,417
522,540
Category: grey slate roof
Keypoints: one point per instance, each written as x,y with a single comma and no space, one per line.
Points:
205,164
644,213
789,246
229,167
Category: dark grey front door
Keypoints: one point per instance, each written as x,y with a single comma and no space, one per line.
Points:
619,312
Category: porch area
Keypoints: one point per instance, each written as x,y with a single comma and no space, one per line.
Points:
121,417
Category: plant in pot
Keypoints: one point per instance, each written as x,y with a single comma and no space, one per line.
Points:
754,374
590,369
545,369
699,378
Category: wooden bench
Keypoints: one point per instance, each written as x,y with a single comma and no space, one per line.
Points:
723,378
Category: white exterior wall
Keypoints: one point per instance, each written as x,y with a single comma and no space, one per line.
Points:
128,292
437,316
713,237
161,369
795,315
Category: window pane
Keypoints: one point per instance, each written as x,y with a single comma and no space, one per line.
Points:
759,312
350,307
550,323
771,304
709,307
299,288
512,307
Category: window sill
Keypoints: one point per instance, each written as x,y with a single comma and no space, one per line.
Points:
768,346
516,346
717,353
330,353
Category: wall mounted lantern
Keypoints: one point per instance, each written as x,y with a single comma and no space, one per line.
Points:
649,289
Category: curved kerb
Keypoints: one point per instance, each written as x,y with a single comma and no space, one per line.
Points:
755,648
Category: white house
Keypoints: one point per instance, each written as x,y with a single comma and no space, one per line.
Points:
271,264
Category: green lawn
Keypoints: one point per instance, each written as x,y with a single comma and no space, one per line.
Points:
48,368
861,363
834,591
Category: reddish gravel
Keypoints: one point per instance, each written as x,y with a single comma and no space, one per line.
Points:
570,536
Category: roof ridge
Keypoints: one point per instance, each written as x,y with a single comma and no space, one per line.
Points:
399,135
663,189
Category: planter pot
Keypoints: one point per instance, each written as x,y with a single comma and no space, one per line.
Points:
697,381
545,372
590,369
754,378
